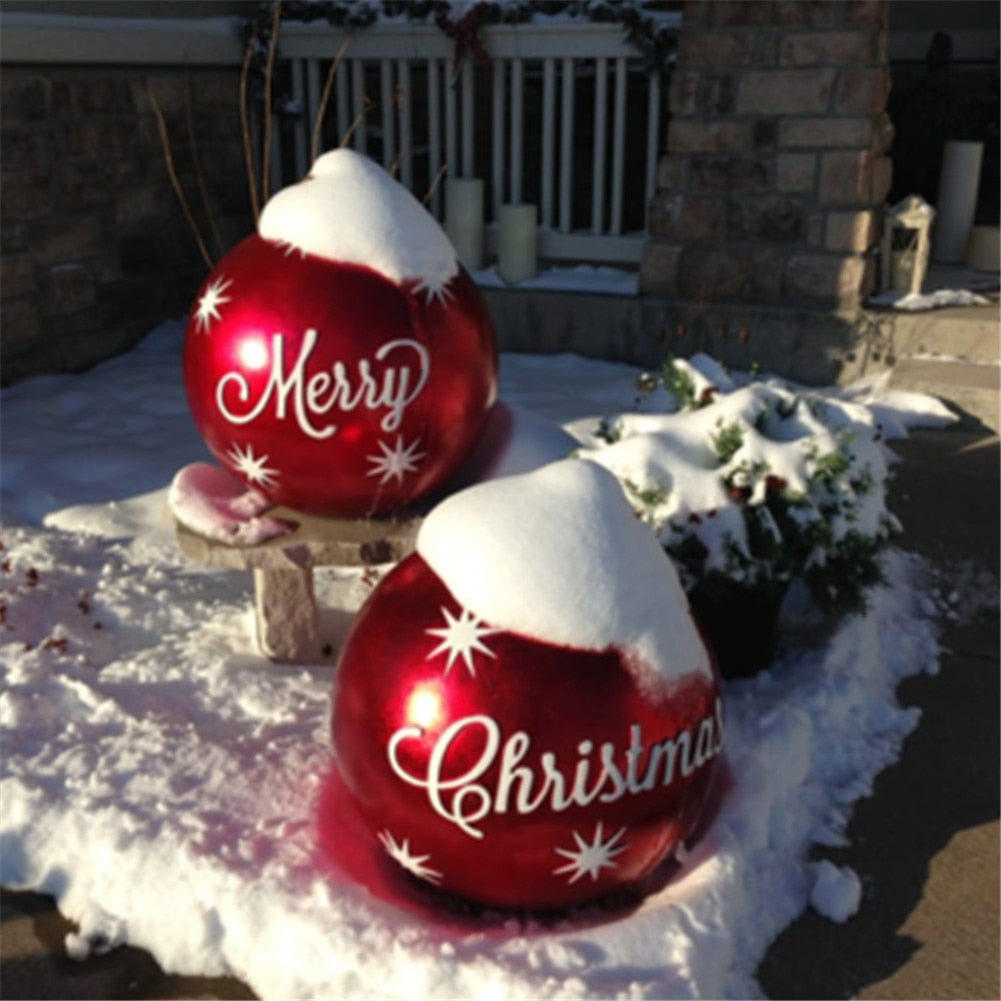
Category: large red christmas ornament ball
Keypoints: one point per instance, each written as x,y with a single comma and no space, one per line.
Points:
321,369
512,771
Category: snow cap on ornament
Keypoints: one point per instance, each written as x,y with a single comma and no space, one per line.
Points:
529,686
340,360
350,210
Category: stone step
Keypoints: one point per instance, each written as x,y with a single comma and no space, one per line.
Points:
971,388
967,333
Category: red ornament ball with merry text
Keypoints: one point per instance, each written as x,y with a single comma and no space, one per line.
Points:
340,360
510,770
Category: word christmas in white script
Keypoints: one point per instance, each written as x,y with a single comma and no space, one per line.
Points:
465,801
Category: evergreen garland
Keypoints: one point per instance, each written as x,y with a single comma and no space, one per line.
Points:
655,42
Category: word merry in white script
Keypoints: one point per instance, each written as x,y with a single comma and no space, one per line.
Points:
464,800
315,395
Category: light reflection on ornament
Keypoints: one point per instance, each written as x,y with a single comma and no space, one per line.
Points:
424,706
253,354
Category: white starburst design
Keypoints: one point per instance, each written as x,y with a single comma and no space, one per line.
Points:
589,859
400,852
432,291
253,467
208,305
290,248
462,637
395,462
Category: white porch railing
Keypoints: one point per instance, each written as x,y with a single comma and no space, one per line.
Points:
565,116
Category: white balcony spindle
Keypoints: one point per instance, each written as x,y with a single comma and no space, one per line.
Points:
434,134
451,123
360,105
387,102
468,97
406,125
652,136
618,145
497,137
566,147
548,151
600,143
302,131
343,101
379,75
517,109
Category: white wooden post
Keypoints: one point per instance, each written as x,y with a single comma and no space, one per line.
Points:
548,150
360,104
434,133
618,145
406,126
451,124
517,108
387,100
652,134
497,137
600,139
468,124
303,125
566,146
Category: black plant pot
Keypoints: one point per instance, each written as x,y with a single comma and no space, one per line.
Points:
739,621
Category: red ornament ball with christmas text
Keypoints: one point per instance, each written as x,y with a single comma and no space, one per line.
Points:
511,771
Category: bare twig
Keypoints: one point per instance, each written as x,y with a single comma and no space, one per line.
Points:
367,105
255,205
179,191
394,167
434,184
322,110
268,76
199,174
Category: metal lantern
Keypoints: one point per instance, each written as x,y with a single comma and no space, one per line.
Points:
906,244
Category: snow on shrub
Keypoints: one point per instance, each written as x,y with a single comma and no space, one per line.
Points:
757,482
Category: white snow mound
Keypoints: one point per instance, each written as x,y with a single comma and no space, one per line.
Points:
214,503
558,555
349,209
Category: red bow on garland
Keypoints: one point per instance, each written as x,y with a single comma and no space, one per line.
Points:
466,32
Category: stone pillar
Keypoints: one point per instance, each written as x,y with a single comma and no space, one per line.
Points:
777,155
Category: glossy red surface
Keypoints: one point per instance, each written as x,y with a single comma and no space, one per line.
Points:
330,389
513,772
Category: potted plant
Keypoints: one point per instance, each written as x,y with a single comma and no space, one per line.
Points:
750,489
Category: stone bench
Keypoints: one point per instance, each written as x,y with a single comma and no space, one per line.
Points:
284,599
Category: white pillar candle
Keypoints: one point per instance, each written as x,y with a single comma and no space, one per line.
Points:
464,219
983,252
957,200
517,242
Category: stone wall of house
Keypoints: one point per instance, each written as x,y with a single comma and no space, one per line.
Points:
777,161
94,246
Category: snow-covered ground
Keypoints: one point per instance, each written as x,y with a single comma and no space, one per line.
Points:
161,778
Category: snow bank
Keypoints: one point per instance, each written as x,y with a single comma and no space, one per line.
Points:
349,209
557,555
160,778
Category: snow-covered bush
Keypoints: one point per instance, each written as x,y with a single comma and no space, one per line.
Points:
758,483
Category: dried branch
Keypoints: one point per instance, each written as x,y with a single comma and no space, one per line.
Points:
442,170
268,76
248,155
178,190
322,110
199,174
367,105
